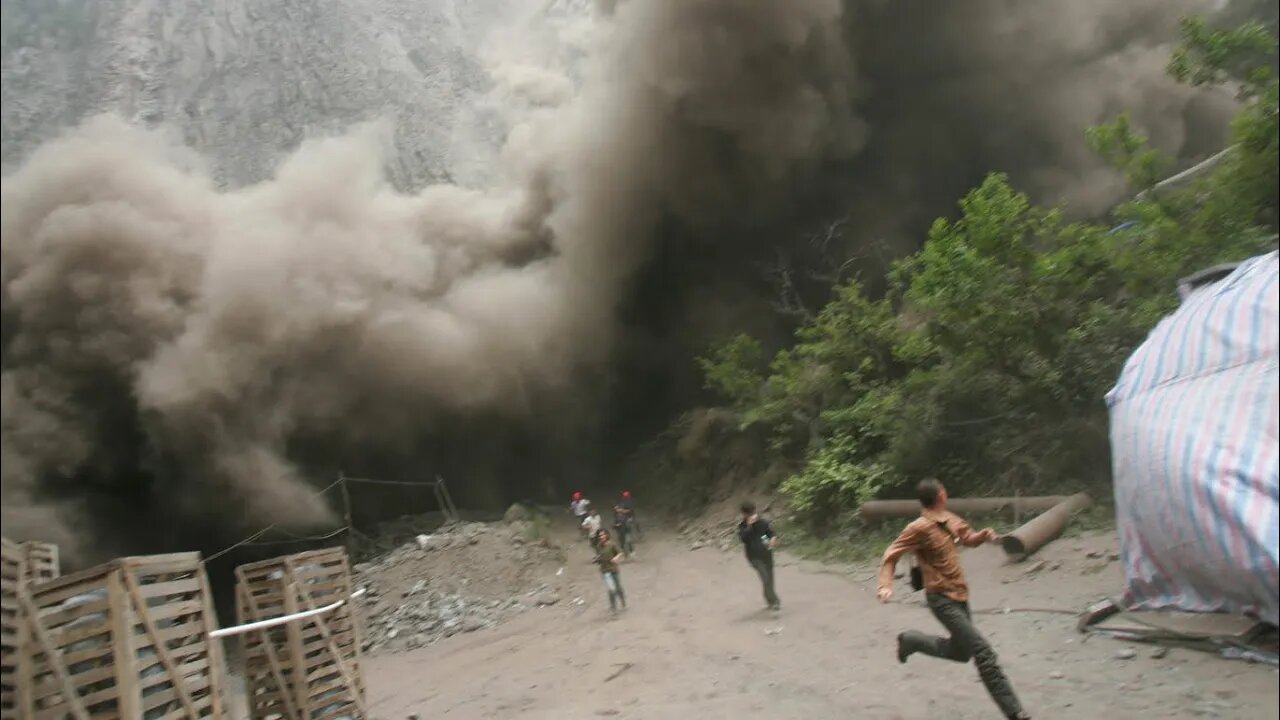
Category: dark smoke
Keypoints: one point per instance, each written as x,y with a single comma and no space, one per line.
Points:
182,363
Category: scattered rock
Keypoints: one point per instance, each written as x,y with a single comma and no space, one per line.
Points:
697,546
1037,567
517,513
546,597
1159,653
1113,556
444,583
1126,654
1056,675
1095,554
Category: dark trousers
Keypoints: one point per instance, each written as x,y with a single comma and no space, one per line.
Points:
626,539
965,643
764,568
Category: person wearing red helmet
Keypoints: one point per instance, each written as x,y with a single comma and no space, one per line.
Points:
624,523
628,503
579,506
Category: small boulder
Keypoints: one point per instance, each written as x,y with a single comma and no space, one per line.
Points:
517,513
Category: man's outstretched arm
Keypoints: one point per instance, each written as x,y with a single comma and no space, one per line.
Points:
905,543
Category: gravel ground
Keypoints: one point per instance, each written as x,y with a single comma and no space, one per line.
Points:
697,643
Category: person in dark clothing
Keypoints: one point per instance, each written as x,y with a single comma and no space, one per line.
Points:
759,540
623,529
933,538
628,503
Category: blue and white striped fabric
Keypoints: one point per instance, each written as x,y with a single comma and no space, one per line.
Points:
1194,436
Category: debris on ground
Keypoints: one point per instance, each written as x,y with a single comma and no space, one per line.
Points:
459,578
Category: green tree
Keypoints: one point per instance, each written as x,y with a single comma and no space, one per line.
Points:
987,361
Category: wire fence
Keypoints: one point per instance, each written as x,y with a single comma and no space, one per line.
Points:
443,503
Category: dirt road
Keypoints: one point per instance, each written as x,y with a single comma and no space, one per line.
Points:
696,643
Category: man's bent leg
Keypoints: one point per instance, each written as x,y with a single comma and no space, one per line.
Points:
622,595
764,568
611,586
966,642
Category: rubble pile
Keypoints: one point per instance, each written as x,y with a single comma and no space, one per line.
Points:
461,578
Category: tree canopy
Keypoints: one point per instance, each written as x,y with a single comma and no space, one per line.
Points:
987,361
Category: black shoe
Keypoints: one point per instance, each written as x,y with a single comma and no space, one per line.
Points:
903,652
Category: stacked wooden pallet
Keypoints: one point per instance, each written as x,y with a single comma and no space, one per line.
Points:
308,669
128,639
42,561
22,564
11,572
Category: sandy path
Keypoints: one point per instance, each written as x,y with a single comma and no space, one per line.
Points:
698,644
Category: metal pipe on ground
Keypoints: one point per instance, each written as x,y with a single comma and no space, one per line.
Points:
1045,527
879,509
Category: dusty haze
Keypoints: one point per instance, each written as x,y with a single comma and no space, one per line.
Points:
184,353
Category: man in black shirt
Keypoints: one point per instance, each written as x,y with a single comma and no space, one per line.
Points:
759,541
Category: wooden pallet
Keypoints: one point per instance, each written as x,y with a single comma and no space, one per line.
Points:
128,639
12,570
21,564
308,669
42,561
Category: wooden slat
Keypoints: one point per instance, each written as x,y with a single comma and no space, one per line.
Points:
186,587
140,607
248,610
57,618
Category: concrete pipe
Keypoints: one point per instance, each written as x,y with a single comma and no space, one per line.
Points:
880,509
1048,525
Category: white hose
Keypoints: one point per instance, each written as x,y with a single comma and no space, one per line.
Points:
272,622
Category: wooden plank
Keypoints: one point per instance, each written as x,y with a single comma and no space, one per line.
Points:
69,635
185,587
73,701
209,619
185,670
295,652
65,586
54,619
128,694
320,624
49,684
163,562
180,714
276,673
22,674
100,652
166,659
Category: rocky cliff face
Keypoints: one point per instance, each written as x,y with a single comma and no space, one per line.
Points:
244,81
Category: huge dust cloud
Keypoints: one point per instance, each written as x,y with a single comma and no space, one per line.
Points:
169,339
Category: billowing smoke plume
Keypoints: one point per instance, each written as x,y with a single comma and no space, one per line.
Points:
179,358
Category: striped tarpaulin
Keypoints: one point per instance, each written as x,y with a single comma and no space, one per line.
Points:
1194,436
